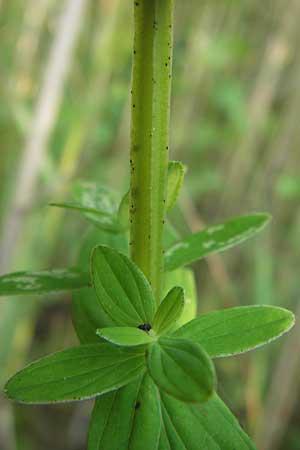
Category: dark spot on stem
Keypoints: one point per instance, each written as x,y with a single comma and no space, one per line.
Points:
137,405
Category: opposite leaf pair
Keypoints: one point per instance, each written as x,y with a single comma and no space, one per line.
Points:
178,363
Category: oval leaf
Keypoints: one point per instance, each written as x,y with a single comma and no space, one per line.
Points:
169,311
237,330
214,239
176,172
182,369
127,336
75,374
121,288
42,282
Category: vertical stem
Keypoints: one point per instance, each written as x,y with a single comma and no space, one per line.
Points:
151,89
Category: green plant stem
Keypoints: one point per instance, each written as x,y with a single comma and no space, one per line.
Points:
151,89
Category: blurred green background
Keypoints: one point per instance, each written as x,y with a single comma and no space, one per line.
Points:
65,68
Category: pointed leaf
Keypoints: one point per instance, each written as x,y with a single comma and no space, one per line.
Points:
169,311
176,172
97,204
203,426
81,208
214,239
42,282
128,418
75,374
127,336
121,287
237,330
182,369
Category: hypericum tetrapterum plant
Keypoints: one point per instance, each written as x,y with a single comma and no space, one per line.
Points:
143,355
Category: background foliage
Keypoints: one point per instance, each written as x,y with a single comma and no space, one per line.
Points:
235,109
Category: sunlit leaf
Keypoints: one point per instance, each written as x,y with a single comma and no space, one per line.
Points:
214,239
182,369
42,282
76,373
127,336
184,277
176,172
169,311
121,288
237,330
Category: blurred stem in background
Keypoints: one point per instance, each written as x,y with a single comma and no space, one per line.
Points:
50,96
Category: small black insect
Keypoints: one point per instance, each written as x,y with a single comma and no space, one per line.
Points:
145,327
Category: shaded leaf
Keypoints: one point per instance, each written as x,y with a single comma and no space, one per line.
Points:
87,312
169,311
112,418
214,239
76,373
97,204
206,426
88,315
127,336
145,432
81,208
121,288
128,418
42,282
237,330
176,172
182,369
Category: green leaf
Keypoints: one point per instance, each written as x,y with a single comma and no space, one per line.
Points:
97,204
181,368
112,418
127,336
76,373
176,172
145,432
184,277
123,211
42,282
214,239
81,208
169,311
88,315
121,287
87,312
128,418
206,426
237,330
